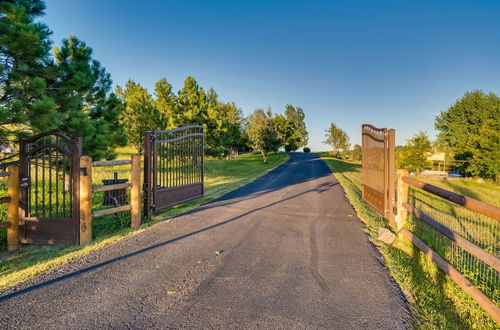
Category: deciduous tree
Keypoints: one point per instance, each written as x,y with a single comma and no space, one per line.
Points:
413,156
470,130
337,139
261,132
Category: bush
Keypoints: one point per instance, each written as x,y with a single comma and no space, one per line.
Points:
306,149
217,152
288,148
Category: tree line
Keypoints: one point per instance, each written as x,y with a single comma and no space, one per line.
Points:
468,133
64,88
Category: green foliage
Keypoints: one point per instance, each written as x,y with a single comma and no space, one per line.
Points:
221,177
25,67
355,153
413,156
296,135
68,93
292,128
81,91
306,149
229,132
470,130
140,113
435,300
262,133
337,139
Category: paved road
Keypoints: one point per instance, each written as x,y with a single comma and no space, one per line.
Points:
292,254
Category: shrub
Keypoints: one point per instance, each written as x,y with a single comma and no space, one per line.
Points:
306,149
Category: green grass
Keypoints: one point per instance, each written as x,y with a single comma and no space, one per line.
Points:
221,176
435,300
487,192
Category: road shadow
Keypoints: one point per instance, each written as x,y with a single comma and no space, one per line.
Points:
288,174
320,188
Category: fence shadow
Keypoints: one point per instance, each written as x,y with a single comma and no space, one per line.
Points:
320,188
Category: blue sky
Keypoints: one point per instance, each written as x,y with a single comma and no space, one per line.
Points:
393,64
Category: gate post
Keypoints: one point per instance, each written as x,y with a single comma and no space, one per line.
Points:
402,198
13,209
147,173
85,199
135,191
391,177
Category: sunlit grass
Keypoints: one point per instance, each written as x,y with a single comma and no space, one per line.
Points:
221,176
435,300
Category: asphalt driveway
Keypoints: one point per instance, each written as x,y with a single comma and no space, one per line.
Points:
285,251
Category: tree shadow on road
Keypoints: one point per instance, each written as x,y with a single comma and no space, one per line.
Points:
320,188
290,173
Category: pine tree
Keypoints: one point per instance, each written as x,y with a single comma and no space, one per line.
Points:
140,114
25,66
165,102
68,93
81,91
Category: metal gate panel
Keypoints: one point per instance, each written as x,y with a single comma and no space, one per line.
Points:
378,169
173,167
50,189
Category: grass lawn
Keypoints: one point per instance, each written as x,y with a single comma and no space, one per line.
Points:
221,176
484,191
435,300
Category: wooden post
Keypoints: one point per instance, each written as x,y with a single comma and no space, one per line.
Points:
391,164
13,209
135,191
85,199
402,198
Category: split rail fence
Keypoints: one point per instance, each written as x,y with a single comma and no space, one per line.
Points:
459,234
87,190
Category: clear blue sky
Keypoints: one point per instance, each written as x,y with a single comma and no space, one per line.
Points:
392,64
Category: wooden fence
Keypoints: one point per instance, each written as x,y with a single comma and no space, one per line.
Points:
12,198
87,190
476,258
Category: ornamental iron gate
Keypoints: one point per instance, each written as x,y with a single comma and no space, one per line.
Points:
50,189
378,170
173,167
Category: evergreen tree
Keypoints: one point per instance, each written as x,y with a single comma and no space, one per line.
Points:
81,92
165,101
230,127
470,130
25,66
140,114
68,93
191,107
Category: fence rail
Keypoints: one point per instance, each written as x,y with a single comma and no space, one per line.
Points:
87,189
472,262
12,199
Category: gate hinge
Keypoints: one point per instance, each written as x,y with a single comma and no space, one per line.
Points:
25,182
